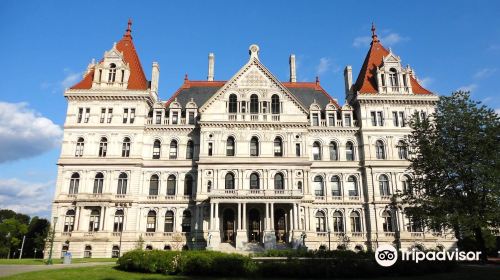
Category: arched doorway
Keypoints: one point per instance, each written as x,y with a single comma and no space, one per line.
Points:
228,225
254,226
280,225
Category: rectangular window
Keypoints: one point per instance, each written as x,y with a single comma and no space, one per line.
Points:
132,115
297,149
395,120
103,115
380,119
87,115
80,115
402,120
331,120
110,114
315,120
175,118
374,118
158,117
210,149
191,118
125,115
347,118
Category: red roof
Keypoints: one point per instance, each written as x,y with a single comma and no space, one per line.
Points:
366,82
137,79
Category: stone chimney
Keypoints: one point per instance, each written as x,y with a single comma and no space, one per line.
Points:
348,80
211,70
155,76
293,73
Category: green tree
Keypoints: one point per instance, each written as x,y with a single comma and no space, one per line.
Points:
454,156
11,232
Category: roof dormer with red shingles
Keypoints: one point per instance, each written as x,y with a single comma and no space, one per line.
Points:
367,78
137,79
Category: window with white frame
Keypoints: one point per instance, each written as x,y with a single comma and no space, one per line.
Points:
230,146
154,184
69,221
80,115
125,115
151,221
122,183
316,151
173,150
278,147
126,147
387,221
338,222
383,182
189,149
132,115
94,220
98,183
402,150
319,189
171,185
349,151
355,222
74,183
352,186
320,221
336,188
110,115
156,149
103,115
334,155
118,221
80,145
87,115
103,147
169,221
379,149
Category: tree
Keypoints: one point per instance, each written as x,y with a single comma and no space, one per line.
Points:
11,233
454,156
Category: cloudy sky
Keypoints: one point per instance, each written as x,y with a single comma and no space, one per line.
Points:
46,45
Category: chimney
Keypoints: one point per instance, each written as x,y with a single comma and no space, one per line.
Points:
348,80
211,62
155,76
293,74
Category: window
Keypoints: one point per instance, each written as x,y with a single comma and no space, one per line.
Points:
275,104
171,185
254,147
103,115
87,253
387,224
333,151
229,181
299,186
315,121
320,221
230,146
69,221
395,120
158,117
122,183
100,75
316,151
373,118
336,190
319,189
98,182
210,149
74,182
347,119
126,147
278,147
103,147
233,104
175,117
380,118
338,222
169,221
254,104
379,149
383,182
95,217
186,221
87,115
349,151
331,120
173,150
355,222
414,224
402,120
115,250
189,149
110,115
278,182
209,186
80,144
154,184
402,150
118,221
188,185
156,149
151,221
80,115
132,115
191,118
407,185
352,186
112,73
125,115
297,149
254,181
393,77
122,76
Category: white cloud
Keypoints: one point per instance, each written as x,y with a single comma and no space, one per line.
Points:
426,81
362,41
471,88
70,78
323,66
32,198
389,39
484,73
25,133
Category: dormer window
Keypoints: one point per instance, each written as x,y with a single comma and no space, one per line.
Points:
112,73
315,121
393,77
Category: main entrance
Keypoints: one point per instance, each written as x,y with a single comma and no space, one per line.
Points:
280,225
254,226
228,226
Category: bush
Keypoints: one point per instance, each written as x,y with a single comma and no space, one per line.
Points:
154,261
210,263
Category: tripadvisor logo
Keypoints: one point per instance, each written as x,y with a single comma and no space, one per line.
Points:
386,255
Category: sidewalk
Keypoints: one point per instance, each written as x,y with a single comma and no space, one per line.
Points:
10,269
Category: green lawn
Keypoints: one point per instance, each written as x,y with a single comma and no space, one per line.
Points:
55,261
106,272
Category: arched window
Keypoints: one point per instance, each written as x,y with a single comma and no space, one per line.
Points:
336,188
173,150
316,151
254,104
319,189
103,147
254,147
338,222
169,221
126,147
80,144
233,104
254,181
278,182
320,221
229,181
118,221
379,149
154,184
122,183
383,182
69,220
94,221
156,149
186,221
151,221
355,222
352,186
349,151
230,146
393,77
275,104
188,185
167,248
74,183
112,73
278,147
87,253
149,247
209,186
189,149
115,251
98,182
333,151
387,224
299,186
171,185
407,185
402,150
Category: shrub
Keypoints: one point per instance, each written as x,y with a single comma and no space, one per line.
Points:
154,261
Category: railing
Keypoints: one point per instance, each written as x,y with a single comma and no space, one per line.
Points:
321,234
167,121
246,192
389,234
357,234
120,195
66,233
336,197
385,197
152,197
354,197
320,197
170,197
116,233
417,234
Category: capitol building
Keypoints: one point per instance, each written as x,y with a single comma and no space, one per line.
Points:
242,165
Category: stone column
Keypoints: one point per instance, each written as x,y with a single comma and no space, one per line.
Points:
239,217
272,216
267,217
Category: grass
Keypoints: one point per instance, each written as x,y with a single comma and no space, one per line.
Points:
55,261
108,272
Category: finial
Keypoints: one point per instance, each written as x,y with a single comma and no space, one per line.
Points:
253,50
317,80
128,32
186,79
374,35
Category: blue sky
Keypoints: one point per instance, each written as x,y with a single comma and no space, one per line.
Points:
46,45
